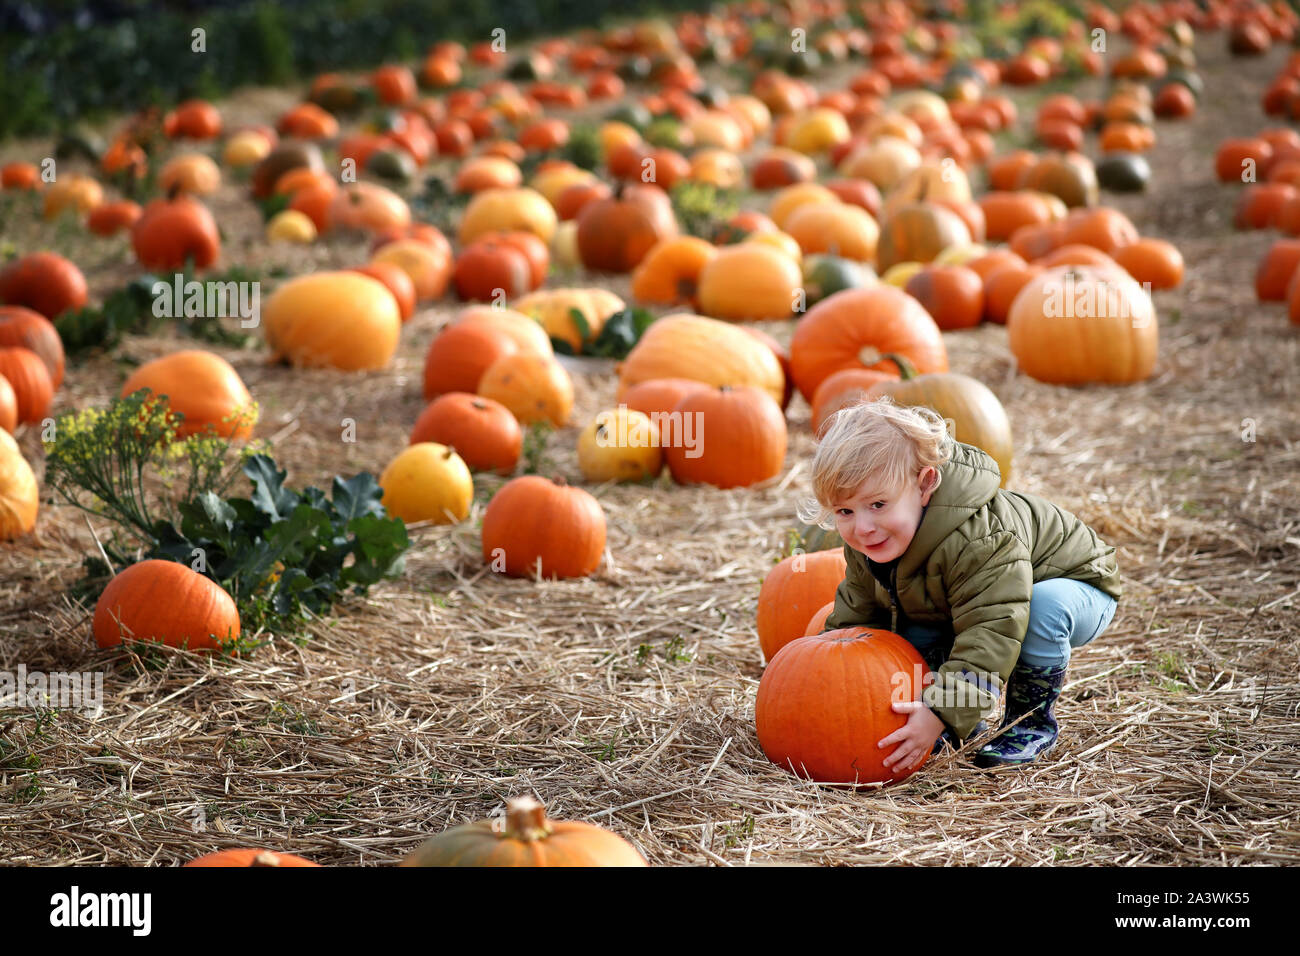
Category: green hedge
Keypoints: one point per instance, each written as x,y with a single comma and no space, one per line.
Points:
50,80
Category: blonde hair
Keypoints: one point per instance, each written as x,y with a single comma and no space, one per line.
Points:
881,442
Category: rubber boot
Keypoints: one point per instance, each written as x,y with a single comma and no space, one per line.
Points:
1031,690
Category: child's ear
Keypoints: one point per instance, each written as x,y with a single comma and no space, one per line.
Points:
929,482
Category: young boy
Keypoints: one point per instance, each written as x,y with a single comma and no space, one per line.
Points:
990,586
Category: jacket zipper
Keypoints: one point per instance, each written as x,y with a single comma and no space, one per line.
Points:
893,599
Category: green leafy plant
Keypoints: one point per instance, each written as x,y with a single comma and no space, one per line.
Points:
282,554
617,337
536,438
701,207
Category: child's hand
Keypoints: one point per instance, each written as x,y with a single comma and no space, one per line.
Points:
915,739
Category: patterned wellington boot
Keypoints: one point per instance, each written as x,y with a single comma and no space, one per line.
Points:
934,658
1033,691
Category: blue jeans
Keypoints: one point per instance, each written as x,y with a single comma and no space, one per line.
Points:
1063,614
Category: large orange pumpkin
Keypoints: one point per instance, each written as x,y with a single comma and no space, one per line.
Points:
731,437
171,231
202,387
792,592
824,704
525,838
168,602
537,526
856,328
1075,325
44,282
342,320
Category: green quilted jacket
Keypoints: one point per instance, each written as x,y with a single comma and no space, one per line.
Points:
970,569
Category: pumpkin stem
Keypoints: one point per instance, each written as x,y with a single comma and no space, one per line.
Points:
906,369
526,819
265,858
559,480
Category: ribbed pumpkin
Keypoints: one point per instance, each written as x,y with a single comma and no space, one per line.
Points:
856,328
749,281
737,437
917,233
535,388
31,383
705,350
19,494
792,592
250,856
342,320
824,704
525,838
552,308
168,602
533,521
620,444
171,231
977,416
427,482
1075,325
44,282
202,387
30,330
483,432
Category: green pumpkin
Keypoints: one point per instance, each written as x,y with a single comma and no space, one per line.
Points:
635,69
824,275
1189,78
633,114
391,164
1123,173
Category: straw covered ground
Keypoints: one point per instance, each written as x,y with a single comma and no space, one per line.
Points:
627,699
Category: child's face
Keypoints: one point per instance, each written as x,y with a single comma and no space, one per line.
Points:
881,525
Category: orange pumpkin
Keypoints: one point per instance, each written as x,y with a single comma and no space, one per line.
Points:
824,701
338,320
44,282
1152,262
615,234
535,388
27,329
739,438
111,217
31,383
919,232
19,495
792,591
483,432
749,281
171,231
165,601
845,387
460,354
670,272
706,350
856,328
250,857
535,526
838,229
953,295
201,387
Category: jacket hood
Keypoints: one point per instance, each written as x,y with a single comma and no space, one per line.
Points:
971,478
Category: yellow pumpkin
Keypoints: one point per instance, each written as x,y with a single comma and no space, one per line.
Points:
19,495
621,444
706,350
342,320
564,246
427,482
246,148
80,192
508,210
551,307
749,281
792,197
549,183
899,273
290,225
780,241
818,131
839,229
